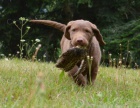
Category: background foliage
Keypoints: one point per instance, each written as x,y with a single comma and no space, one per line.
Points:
118,21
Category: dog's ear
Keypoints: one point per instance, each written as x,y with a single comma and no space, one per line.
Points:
66,32
97,34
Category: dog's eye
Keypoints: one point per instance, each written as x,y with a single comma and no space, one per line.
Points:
87,31
74,29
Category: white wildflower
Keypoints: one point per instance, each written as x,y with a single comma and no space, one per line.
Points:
6,59
27,19
22,18
39,45
17,52
14,22
87,57
114,59
110,54
37,40
99,94
2,55
44,56
22,40
91,57
28,27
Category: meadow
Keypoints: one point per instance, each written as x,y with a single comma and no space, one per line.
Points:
25,84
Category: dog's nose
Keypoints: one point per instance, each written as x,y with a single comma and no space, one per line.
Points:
79,41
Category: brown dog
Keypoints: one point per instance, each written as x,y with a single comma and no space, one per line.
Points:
80,33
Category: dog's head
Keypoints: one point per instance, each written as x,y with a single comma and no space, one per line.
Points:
80,32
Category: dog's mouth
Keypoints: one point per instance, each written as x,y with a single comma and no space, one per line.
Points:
79,46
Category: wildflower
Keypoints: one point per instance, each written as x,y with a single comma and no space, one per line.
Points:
37,48
22,40
9,54
120,61
44,56
28,27
37,40
88,57
91,57
14,22
99,94
110,54
6,59
27,19
12,97
17,52
2,55
22,18
39,45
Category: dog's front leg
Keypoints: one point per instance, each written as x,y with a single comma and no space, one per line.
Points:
79,79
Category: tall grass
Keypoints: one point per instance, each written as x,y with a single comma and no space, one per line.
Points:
25,84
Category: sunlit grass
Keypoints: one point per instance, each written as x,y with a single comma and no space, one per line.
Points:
41,85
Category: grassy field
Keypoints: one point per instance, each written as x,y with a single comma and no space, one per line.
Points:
25,84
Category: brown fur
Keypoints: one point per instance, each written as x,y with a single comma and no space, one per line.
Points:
81,33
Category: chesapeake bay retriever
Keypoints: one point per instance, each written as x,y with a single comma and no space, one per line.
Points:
80,33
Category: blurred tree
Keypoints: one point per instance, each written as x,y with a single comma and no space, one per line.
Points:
113,17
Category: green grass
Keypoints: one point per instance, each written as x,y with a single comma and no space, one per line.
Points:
25,84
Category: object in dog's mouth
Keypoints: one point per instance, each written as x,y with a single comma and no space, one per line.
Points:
71,57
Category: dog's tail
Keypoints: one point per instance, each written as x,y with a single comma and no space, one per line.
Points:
54,24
